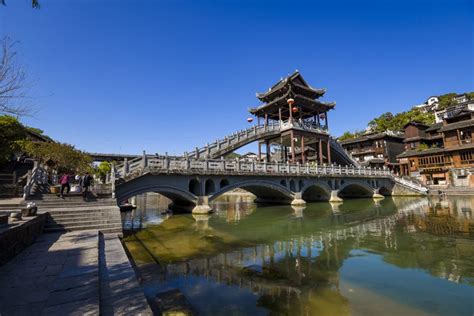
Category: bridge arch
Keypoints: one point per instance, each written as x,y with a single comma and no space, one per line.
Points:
292,185
262,189
385,191
355,190
176,195
209,187
315,192
223,183
194,186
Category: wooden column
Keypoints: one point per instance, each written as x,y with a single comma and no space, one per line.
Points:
279,114
319,121
291,113
320,153
259,151
302,150
266,120
326,119
292,146
329,151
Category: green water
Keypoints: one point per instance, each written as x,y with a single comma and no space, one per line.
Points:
410,256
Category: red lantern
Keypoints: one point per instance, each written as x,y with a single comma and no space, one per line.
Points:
322,116
294,109
250,120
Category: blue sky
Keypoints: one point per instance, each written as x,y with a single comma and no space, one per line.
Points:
166,76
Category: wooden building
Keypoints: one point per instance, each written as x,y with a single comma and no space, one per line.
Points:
376,149
441,154
294,105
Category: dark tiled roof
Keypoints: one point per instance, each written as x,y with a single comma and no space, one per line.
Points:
456,125
296,79
434,127
368,137
412,153
417,124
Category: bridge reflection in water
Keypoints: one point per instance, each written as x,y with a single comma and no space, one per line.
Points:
305,260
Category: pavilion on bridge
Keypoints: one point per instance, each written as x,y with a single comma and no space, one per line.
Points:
294,104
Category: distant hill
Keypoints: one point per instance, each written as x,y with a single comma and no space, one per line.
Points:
395,122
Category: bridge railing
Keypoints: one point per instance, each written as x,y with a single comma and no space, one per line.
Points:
222,166
411,184
251,133
35,177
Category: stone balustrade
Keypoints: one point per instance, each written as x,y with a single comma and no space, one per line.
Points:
208,166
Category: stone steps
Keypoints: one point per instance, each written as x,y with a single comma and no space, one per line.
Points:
71,216
105,228
79,222
66,218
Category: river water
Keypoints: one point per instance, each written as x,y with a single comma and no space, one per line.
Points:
397,256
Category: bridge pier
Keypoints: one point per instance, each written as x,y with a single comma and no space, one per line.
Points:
298,200
334,197
377,195
298,210
202,221
202,206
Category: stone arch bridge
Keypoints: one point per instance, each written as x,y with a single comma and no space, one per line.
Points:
193,184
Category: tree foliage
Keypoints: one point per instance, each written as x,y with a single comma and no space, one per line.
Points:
103,169
390,122
446,100
348,135
34,3
63,157
11,133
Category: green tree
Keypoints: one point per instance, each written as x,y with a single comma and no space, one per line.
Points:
348,135
103,169
11,133
63,157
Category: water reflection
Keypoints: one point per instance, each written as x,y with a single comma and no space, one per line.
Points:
414,256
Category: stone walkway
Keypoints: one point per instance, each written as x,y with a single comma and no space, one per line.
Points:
59,275
120,292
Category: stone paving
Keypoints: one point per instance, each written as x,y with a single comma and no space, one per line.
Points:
77,273
120,292
57,275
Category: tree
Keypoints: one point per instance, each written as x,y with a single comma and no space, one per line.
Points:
12,132
348,135
34,3
63,157
12,81
103,169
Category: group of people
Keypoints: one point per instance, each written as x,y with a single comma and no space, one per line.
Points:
84,183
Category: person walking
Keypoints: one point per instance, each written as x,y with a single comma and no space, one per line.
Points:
64,182
86,183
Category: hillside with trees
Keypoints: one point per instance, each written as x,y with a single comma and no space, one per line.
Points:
395,122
